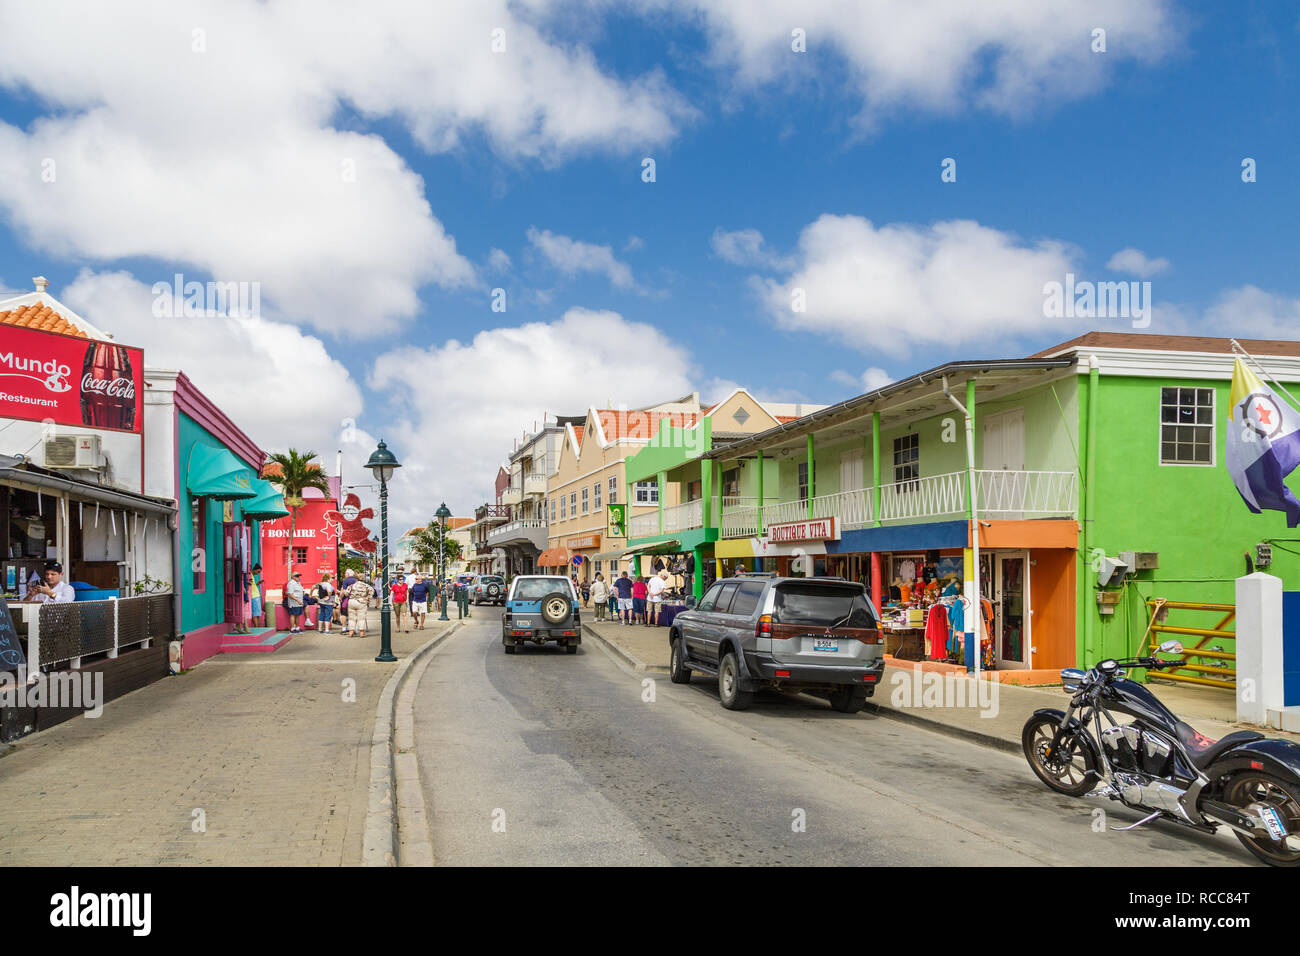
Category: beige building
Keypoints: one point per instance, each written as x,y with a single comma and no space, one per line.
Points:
590,475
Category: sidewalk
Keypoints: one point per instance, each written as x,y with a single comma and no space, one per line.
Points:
911,693
257,759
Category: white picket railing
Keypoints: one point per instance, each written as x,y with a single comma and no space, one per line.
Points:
1003,495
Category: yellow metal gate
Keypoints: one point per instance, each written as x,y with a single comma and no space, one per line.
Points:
1213,666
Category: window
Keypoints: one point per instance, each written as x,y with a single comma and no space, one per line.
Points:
573,503
299,555
552,509
586,501
907,460
646,492
694,490
731,483
709,599
564,513
613,489
803,481
746,600
1186,426
596,489
723,602
597,563
199,542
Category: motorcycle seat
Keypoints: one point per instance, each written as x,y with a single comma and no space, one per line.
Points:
1205,750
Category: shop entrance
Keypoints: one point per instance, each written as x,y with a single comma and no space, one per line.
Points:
1010,613
234,565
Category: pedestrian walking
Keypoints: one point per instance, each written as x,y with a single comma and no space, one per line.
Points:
419,602
600,594
638,598
294,600
358,604
325,598
586,592
623,586
398,591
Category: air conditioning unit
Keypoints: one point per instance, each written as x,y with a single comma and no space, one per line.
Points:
82,452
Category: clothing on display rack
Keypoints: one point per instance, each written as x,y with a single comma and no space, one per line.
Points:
936,631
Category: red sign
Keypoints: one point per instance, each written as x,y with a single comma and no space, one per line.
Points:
313,533
68,380
814,529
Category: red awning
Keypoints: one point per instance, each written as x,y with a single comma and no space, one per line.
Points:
553,558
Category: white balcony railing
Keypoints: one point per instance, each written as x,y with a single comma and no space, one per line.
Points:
1000,495
512,495
1012,495
534,484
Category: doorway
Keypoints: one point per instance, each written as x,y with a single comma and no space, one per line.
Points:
234,567
1010,609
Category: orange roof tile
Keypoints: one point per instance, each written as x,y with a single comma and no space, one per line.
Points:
782,419
635,423
577,433
455,524
40,317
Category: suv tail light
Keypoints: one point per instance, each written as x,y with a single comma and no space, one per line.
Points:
872,637
764,626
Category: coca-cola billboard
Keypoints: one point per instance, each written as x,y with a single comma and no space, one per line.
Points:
68,380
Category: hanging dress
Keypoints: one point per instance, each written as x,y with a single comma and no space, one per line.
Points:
936,632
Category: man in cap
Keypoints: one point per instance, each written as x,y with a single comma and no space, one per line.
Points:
54,589
294,600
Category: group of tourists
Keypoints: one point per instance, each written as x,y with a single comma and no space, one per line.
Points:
630,600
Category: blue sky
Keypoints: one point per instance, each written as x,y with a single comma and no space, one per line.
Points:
1064,170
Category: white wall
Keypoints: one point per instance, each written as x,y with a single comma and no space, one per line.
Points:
121,450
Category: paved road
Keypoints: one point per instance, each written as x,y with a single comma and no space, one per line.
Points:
547,758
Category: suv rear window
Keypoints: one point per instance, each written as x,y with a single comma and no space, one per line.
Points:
746,599
534,589
491,579
822,605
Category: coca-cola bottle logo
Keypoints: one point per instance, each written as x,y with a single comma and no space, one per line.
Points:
112,387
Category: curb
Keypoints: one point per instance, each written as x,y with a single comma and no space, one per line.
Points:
393,770
633,661
948,730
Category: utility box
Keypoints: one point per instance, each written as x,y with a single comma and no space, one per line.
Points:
1141,560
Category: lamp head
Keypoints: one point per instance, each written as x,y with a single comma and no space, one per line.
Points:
383,463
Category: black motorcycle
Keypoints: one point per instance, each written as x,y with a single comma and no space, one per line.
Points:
1159,764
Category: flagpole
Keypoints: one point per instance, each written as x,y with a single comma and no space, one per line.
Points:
1237,347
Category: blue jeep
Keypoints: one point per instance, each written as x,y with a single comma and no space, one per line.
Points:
541,608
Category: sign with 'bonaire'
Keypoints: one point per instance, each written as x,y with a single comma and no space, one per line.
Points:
45,376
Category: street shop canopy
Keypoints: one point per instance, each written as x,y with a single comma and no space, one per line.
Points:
14,473
659,547
268,505
216,473
553,558
610,555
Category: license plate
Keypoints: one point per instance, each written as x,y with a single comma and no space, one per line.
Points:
1273,820
826,644
522,622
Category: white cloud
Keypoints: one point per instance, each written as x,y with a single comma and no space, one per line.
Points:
1004,56
634,244
868,381
572,256
1136,262
498,261
469,398
745,247
304,397
208,135
1252,312
902,287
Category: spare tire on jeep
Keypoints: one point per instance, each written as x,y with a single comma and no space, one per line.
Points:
555,607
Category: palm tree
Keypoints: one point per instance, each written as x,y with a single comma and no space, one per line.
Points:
297,473
425,546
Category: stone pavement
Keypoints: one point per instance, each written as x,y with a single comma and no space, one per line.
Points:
262,749
903,695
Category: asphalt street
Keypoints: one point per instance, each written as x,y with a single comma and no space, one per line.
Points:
548,758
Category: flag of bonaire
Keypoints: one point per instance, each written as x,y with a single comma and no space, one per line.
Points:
1263,444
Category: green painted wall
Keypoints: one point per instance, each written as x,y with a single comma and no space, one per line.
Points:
202,608
1192,515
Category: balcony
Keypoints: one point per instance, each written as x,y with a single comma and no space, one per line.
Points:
677,518
520,531
492,514
1001,495
534,484
513,495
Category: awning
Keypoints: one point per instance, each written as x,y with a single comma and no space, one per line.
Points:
37,480
659,547
216,473
267,506
553,558
609,555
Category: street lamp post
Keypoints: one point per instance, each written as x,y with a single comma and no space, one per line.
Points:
382,464
442,514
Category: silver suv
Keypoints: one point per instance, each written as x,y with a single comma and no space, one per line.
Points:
818,635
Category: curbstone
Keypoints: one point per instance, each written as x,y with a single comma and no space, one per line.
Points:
381,844
633,661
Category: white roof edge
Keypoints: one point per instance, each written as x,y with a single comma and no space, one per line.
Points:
44,298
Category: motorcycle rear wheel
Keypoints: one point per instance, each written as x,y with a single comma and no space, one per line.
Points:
1073,777
1253,786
